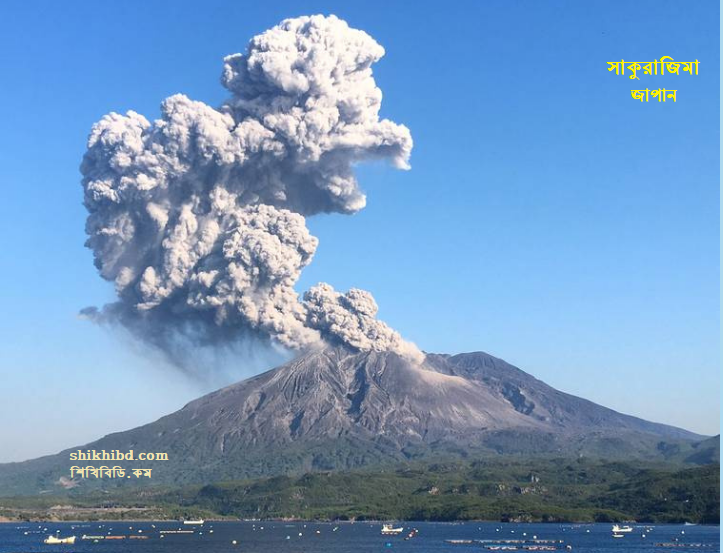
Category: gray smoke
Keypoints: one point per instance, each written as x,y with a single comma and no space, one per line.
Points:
198,217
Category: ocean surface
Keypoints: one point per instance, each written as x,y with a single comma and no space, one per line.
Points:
273,537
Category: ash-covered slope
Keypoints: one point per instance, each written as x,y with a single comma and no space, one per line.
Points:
337,408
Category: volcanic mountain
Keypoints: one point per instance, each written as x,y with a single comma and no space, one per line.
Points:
335,408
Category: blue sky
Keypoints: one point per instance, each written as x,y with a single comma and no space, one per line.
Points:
548,218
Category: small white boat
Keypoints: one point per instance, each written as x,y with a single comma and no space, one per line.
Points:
389,530
52,540
196,522
622,529
618,535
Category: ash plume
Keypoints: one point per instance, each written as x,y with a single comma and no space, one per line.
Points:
199,216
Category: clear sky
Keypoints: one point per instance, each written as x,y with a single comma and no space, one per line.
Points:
548,218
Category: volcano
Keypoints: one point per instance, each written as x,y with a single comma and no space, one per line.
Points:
336,408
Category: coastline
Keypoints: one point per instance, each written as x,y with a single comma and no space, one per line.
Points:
6,520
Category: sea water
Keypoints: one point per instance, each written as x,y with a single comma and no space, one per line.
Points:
346,537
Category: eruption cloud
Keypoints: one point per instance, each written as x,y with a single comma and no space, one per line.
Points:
199,217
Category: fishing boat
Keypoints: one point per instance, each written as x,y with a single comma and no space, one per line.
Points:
389,530
52,540
621,529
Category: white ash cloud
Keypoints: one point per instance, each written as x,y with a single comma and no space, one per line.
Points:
198,216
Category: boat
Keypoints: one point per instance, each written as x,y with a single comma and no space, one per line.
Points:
618,535
52,540
196,522
621,529
389,530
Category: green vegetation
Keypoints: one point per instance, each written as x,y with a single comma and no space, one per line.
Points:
581,490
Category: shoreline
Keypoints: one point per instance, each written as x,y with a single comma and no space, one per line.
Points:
5,520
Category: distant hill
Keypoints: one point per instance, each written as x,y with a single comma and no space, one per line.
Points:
704,452
336,409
